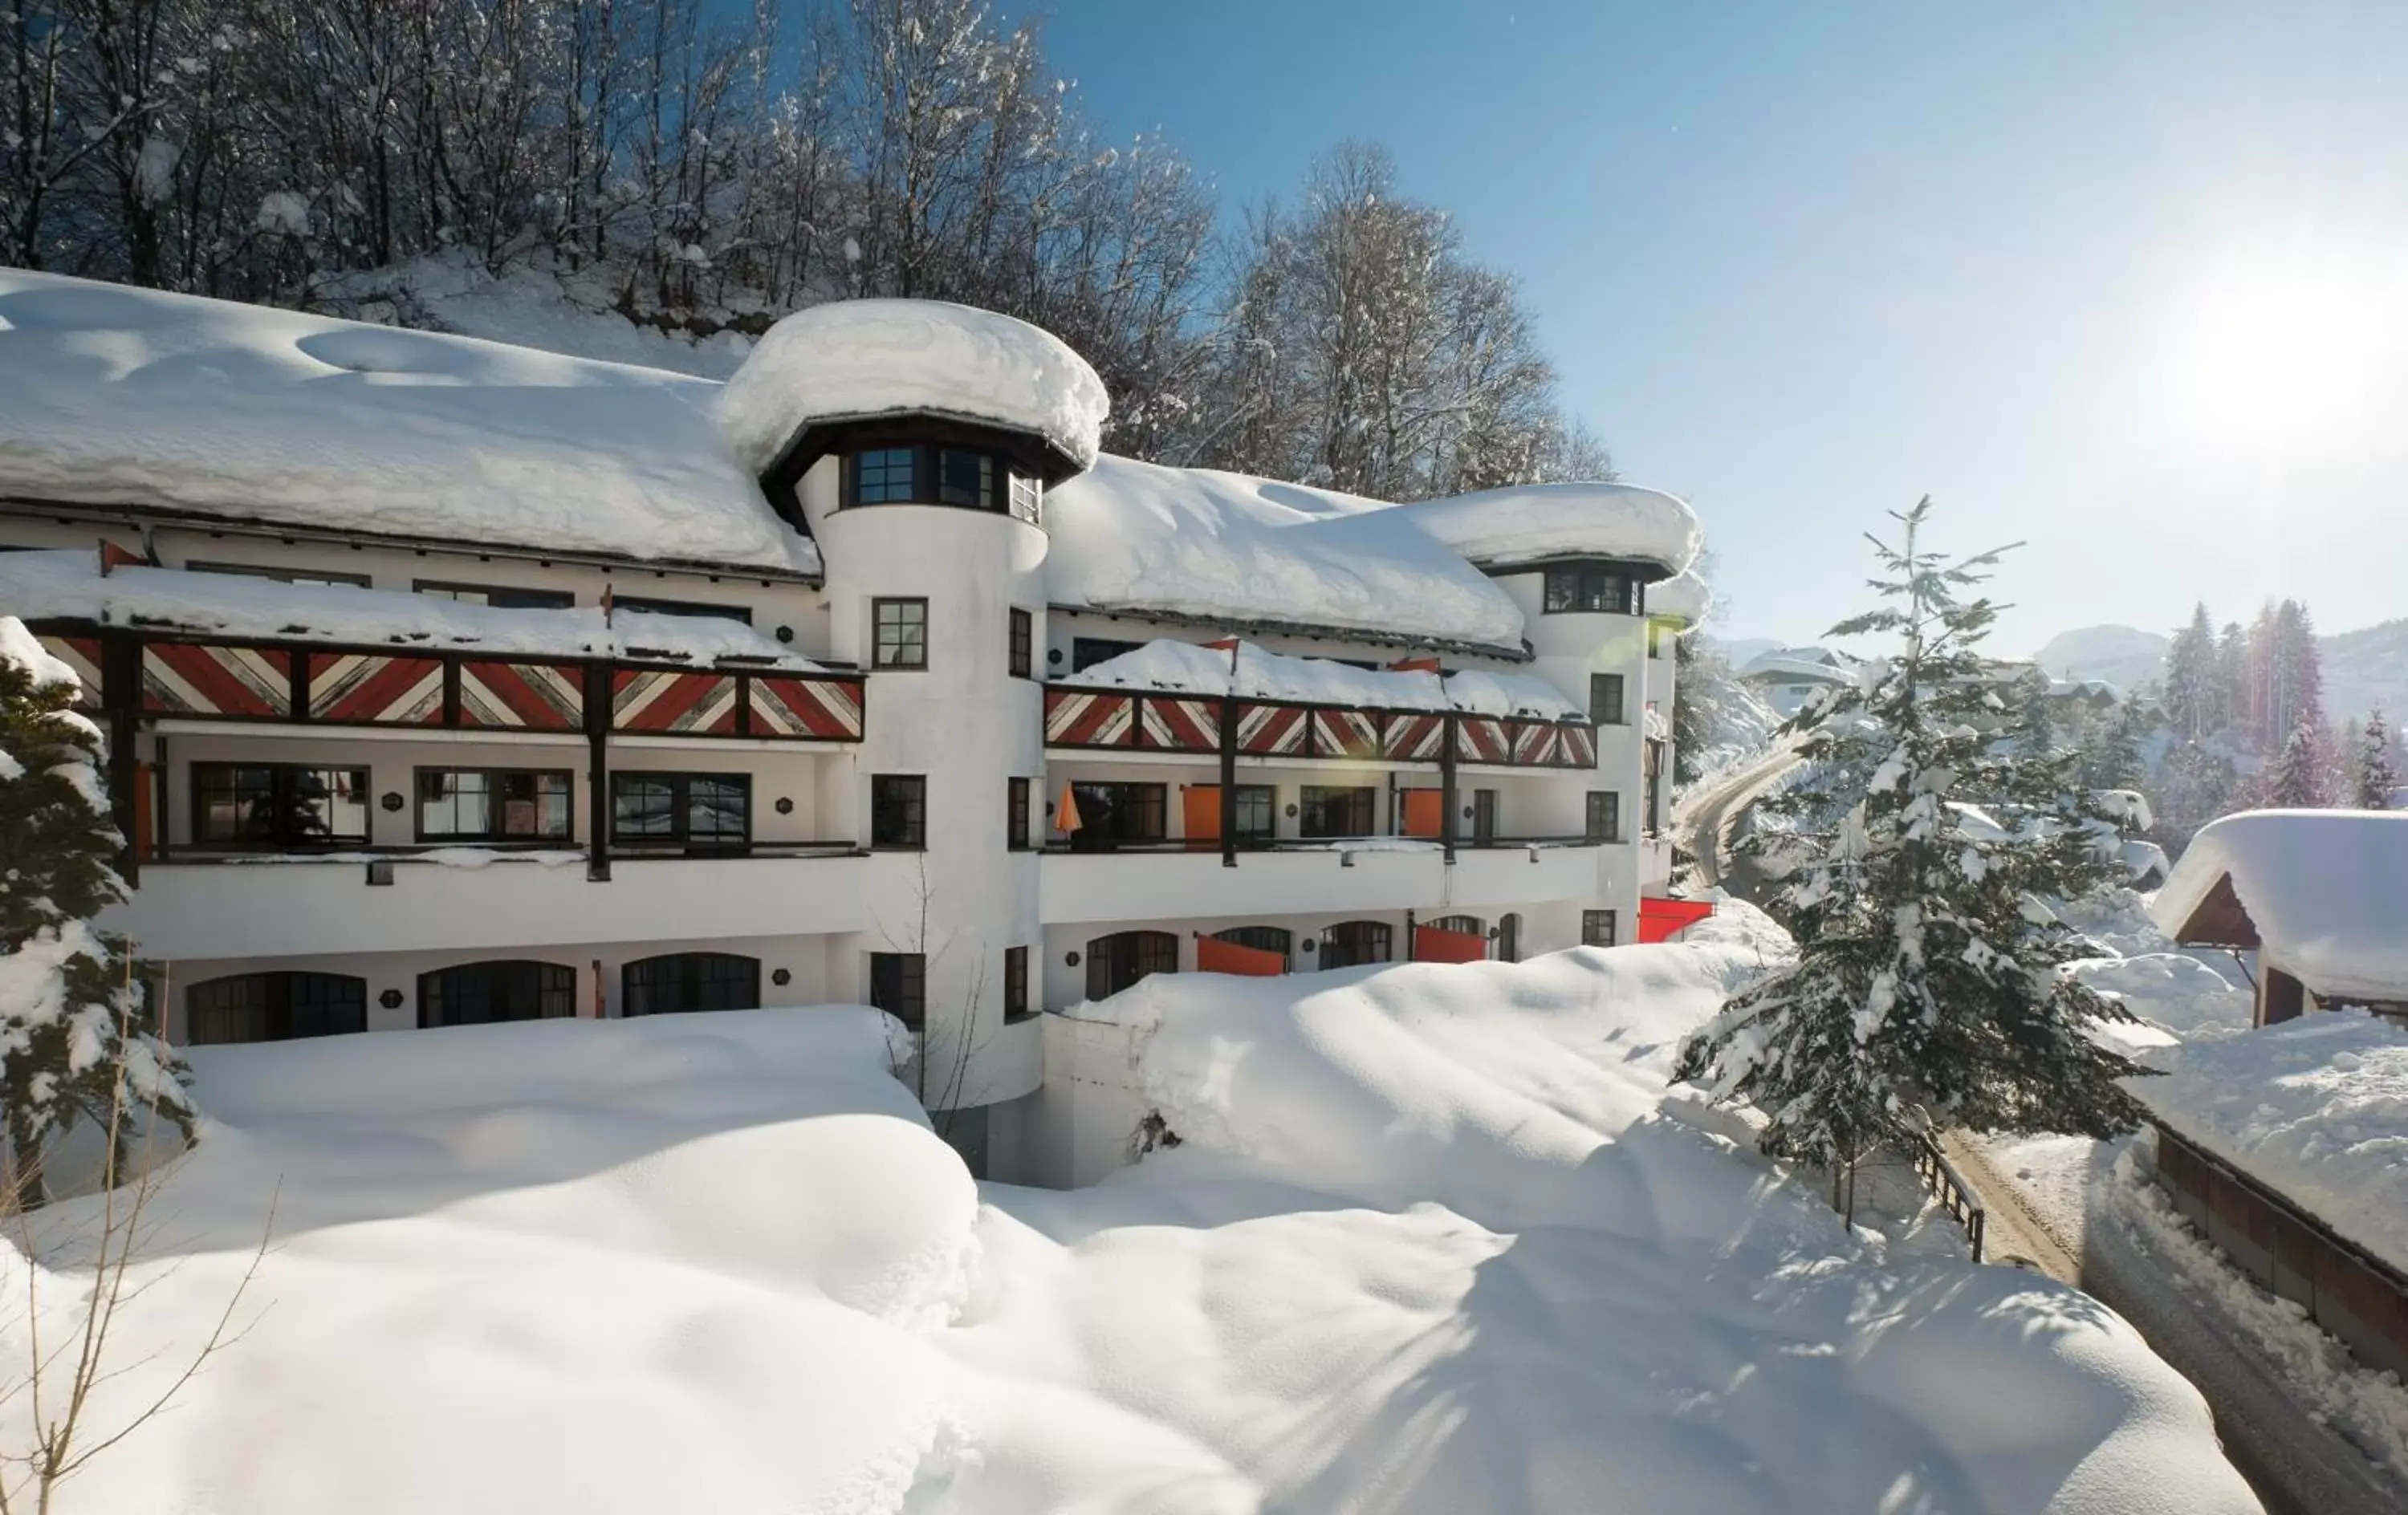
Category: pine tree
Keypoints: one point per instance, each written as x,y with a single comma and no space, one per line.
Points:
2198,786
2377,773
2110,755
1927,991
2297,778
73,1023
2194,683
2232,681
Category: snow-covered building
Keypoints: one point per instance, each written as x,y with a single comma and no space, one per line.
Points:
2320,896
1785,677
451,682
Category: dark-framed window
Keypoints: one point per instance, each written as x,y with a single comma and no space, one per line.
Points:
1015,982
1112,812
478,993
1653,797
1327,811
1015,820
1086,652
1465,926
1021,657
702,609
899,984
1253,812
968,478
279,804
1604,817
274,1007
1352,943
1508,938
500,596
699,812
882,476
1122,959
1261,939
677,982
1590,588
898,809
1605,701
282,576
492,805
1599,928
898,633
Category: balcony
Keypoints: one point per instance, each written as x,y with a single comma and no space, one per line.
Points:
1178,881
304,906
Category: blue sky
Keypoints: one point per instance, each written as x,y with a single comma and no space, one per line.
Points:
2116,279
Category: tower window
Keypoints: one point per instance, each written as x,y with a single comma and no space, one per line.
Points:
1590,589
901,638
885,476
965,479
1023,644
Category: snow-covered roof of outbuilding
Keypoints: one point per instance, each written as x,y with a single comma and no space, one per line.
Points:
119,397
1531,522
857,360
1790,664
1242,551
1186,668
2324,893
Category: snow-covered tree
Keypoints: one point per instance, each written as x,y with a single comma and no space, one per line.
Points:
2110,754
2375,772
74,1022
2198,784
1926,991
2194,684
2299,775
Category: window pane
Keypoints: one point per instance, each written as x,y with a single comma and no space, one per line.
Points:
898,809
885,474
1563,586
642,805
1253,812
901,634
965,479
718,808
1605,698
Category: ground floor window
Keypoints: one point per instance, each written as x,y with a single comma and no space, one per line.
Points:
1337,812
1117,961
1352,943
702,811
1468,925
477,993
1111,813
1253,812
1598,928
899,984
1509,939
492,805
274,1007
1015,982
682,981
1261,939
277,805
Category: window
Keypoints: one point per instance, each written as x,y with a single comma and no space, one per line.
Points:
1590,588
1261,939
1604,816
279,804
898,809
1086,652
274,1007
682,981
1015,829
1253,812
1028,498
964,478
1336,812
1484,817
1605,699
1015,983
1118,961
1111,813
492,805
1023,644
700,811
1467,926
1596,928
282,576
702,609
1352,943
899,984
478,993
500,596
885,475
900,634
1508,938
1653,800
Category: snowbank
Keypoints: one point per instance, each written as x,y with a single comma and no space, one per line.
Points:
2328,891
2172,992
68,585
2316,1109
852,360
1237,550
1187,668
111,396
1527,522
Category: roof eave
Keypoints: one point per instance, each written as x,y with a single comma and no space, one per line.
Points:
1519,653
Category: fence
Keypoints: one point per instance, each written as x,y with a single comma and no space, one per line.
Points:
1954,1194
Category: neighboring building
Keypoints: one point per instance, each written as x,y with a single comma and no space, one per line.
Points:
2320,896
452,682
1787,676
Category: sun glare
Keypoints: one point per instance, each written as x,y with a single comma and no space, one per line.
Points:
2272,357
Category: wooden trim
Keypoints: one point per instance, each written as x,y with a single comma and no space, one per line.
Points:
597,712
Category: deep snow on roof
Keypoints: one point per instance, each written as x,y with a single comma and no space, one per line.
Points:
1685,595
68,585
1527,522
852,360
1137,537
1184,667
1790,664
2328,891
111,396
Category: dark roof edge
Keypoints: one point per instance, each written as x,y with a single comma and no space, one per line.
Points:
1519,653
1646,570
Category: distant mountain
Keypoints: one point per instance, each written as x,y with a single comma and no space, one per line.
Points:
2366,668
2125,656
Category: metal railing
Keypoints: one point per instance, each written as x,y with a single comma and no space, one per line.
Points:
1954,1194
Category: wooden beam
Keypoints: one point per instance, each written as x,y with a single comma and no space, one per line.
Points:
1446,787
597,771
1229,782
121,702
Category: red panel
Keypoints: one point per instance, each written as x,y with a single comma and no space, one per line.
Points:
817,709
1431,945
1271,729
189,678
1660,918
1199,808
1214,955
1425,812
528,696
661,701
372,689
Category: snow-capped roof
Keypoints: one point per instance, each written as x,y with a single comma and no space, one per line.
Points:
2326,890
111,396
1527,523
1184,667
2316,1107
68,585
1790,664
1237,550
854,360
1685,595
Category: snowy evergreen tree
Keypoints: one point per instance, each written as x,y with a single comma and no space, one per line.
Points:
2199,785
2232,679
2375,772
2194,682
2299,777
73,1021
1927,993
2035,725
2110,754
